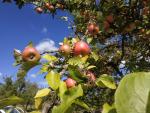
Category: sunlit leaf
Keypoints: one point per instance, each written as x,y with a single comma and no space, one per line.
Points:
68,98
108,109
38,103
49,57
132,95
53,79
42,93
106,81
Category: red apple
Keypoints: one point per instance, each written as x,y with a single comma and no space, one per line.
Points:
106,25
90,75
81,48
65,49
93,29
70,83
110,19
30,54
39,10
49,6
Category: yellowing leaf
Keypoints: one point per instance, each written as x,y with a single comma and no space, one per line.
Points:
38,102
42,93
53,79
49,57
106,81
91,67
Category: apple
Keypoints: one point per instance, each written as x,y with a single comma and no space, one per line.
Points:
81,48
31,55
110,19
106,25
39,10
65,49
146,11
93,29
70,82
49,6
90,75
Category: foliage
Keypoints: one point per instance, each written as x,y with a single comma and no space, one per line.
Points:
20,88
132,95
116,31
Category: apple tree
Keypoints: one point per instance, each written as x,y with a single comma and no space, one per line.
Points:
86,70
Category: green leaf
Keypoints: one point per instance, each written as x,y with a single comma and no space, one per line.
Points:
77,60
62,89
132,95
89,39
148,103
95,56
53,79
75,74
108,109
44,68
68,98
10,101
106,81
49,57
82,104
42,93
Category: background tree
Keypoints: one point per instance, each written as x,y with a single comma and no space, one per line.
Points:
12,88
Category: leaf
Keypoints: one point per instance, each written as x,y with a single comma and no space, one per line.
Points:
82,104
95,56
44,68
53,79
75,74
42,93
10,101
148,103
108,109
91,67
68,98
106,81
132,95
49,57
62,89
38,103
77,60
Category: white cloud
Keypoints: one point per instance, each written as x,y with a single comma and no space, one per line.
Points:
33,75
46,45
1,74
44,30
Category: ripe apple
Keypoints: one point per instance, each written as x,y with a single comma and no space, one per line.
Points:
90,75
49,6
106,25
110,19
39,10
31,55
70,83
93,29
65,49
146,11
81,48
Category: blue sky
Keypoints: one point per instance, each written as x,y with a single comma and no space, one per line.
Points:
19,27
